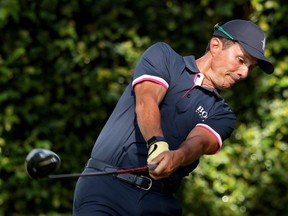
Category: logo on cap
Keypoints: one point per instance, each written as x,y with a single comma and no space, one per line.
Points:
263,43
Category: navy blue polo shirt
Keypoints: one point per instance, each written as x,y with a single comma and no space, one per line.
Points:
186,105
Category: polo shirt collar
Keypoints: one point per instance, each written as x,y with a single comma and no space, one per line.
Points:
190,64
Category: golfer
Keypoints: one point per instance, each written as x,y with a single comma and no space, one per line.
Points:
170,114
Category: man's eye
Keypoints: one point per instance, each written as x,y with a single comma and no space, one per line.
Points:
241,60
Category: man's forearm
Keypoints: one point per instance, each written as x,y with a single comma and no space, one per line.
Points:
199,142
148,118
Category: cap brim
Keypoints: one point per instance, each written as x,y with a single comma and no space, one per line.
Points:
263,62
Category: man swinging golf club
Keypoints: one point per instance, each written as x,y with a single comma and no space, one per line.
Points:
171,114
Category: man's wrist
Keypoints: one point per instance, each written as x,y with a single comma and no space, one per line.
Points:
155,139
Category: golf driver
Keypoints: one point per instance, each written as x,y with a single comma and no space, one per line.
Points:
40,163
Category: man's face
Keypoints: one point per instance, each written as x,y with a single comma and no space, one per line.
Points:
230,65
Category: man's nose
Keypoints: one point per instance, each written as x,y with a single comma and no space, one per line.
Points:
243,73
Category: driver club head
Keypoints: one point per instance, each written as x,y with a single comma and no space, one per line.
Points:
41,162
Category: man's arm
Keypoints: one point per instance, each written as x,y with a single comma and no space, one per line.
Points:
148,98
199,141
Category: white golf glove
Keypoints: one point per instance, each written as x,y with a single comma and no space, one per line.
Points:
156,145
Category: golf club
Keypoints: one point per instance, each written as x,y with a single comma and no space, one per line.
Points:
40,163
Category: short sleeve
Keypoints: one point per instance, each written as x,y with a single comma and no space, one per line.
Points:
156,65
221,124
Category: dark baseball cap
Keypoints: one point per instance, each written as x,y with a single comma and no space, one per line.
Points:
249,36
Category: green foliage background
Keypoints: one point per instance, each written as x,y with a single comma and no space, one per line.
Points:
64,64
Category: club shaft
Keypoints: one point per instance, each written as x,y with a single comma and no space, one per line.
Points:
101,173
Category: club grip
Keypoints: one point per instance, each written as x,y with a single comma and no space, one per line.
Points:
152,166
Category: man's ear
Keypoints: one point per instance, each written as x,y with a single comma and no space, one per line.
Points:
215,45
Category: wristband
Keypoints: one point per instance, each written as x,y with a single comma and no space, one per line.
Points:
155,139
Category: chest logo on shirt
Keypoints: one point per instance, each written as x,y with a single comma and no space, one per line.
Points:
202,113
